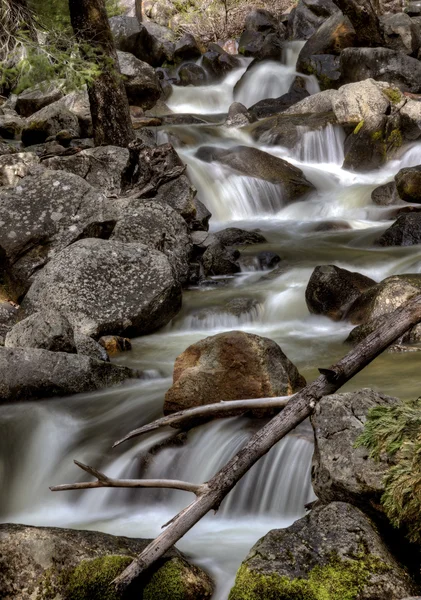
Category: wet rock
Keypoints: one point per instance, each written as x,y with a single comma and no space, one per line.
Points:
405,231
272,106
218,63
316,103
15,166
332,226
331,290
11,124
192,74
238,116
180,195
8,317
408,184
187,48
400,33
47,329
138,290
410,120
336,543
47,122
268,260
46,212
381,64
385,195
402,344
230,366
144,42
341,472
232,236
33,99
326,68
200,221
67,563
89,347
158,226
256,163
286,129
220,260
114,344
308,16
141,82
29,373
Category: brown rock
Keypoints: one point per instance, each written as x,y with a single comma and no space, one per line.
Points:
114,344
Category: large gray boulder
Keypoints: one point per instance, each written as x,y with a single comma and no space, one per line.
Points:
408,184
341,472
49,121
48,330
335,551
146,42
158,226
410,119
35,98
362,101
66,564
108,287
401,33
140,80
29,373
42,215
8,317
263,36
306,18
15,166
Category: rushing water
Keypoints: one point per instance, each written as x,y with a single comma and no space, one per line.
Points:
39,440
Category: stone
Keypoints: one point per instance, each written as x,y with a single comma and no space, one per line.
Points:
140,80
157,226
410,120
47,122
47,329
218,63
334,545
187,48
262,46
408,184
89,347
362,101
261,20
137,286
385,195
11,124
114,344
321,102
13,167
30,373
340,471
400,33
46,212
6,148
230,366
34,98
413,8
306,18
405,231
8,317
191,74
286,129
140,40
332,290
272,106
78,104
220,260
238,116
71,564
381,64
233,236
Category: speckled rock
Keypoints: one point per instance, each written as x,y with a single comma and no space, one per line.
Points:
386,195
231,366
341,472
30,373
334,552
220,260
405,231
8,317
47,122
68,565
46,329
15,166
35,98
140,80
108,287
408,182
157,226
89,347
46,212
233,236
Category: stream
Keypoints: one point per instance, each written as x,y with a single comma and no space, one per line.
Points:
39,440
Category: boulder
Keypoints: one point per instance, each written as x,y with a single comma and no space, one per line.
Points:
46,329
333,552
218,63
47,122
263,36
238,116
321,103
220,260
191,74
157,226
405,231
286,129
341,472
78,104
140,40
331,290
272,106
137,287
187,48
30,373
363,101
413,8
232,236
381,64
8,317
34,98
231,366
68,564
400,33
42,215
306,18
15,166
6,149
410,120
255,163
11,124
140,80
385,195
408,184
89,347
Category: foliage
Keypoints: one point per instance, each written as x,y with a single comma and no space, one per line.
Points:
395,431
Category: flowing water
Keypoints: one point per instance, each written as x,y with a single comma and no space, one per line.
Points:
39,440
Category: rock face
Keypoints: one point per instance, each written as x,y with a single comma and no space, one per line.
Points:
29,373
334,552
47,329
405,231
140,80
231,366
341,472
332,290
45,213
68,564
108,287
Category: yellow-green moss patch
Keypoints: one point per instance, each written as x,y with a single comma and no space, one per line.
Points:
91,579
359,127
394,95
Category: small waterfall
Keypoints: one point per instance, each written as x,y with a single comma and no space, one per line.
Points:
321,146
211,319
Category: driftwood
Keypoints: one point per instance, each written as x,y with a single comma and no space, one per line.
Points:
210,494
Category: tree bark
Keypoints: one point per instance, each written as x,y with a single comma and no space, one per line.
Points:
110,112
299,408
364,16
138,10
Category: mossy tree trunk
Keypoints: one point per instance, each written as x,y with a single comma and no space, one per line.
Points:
138,10
364,16
107,96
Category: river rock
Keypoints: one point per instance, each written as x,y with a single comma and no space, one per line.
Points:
408,184
220,260
158,226
410,120
238,116
48,330
405,231
29,373
11,124
385,195
137,287
42,215
360,102
231,366
273,106
335,545
286,129
233,236
68,564
114,344
381,64
263,36
256,163
218,63
89,347
191,74
6,148
15,166
401,33
321,102
306,18
187,48
331,290
140,80
341,472
34,98
47,122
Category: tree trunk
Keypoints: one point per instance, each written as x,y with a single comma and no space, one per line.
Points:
107,96
138,10
365,18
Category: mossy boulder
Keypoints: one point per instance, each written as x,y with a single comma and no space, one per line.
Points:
408,184
46,563
334,553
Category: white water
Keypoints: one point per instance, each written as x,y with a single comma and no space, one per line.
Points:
39,440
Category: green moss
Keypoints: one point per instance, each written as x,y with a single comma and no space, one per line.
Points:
91,579
377,136
338,580
395,139
359,127
166,583
394,95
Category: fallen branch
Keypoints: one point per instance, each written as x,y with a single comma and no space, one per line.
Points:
298,408
217,410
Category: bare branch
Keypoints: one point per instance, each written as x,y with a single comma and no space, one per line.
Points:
230,408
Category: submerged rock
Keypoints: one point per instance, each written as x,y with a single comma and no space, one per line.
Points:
70,565
231,366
